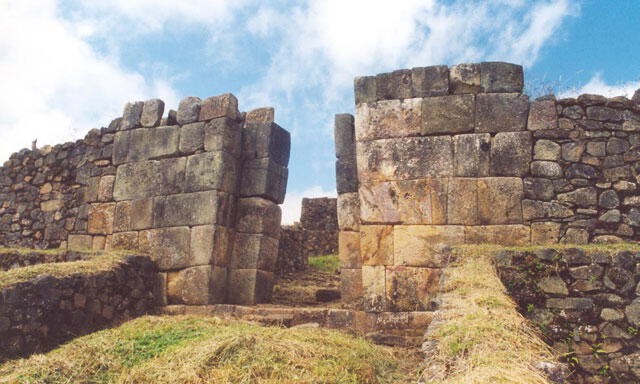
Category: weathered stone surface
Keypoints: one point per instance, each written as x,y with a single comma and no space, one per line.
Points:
570,303
501,112
121,143
125,241
169,247
394,85
572,151
346,175
261,115
101,218
131,115
411,202
254,251
407,158
604,114
538,189
511,154
51,205
351,285
219,106
264,178
448,114
611,216
191,138
149,178
609,199
211,170
576,236
462,201
542,115
632,312
192,286
582,197
152,113
617,146
411,289
580,171
499,200
348,207
223,134
141,214
153,143
507,235
258,215
188,110
424,245
546,150
465,78
545,233
388,118
266,140
188,209
365,89
79,242
553,285
373,286
471,154
376,244
547,169
344,134
209,245
349,250
430,81
501,77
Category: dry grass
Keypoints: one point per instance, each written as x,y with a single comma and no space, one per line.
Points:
483,338
325,264
199,350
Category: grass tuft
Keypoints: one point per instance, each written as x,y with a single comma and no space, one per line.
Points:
326,264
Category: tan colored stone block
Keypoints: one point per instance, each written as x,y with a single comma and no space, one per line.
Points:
190,286
258,215
261,115
351,285
547,233
142,214
201,248
99,243
253,251
105,188
125,241
168,247
462,204
448,114
465,78
79,242
376,244
51,205
219,106
410,202
543,115
348,207
423,245
349,249
499,200
101,218
373,286
507,235
412,289
472,154
122,219
389,118
249,286
198,208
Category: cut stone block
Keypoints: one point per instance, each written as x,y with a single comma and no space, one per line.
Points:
511,154
406,158
394,85
193,286
258,215
189,209
131,115
264,178
373,286
219,106
349,249
188,110
542,115
101,218
344,135
411,202
266,140
99,243
501,77
348,207
253,251
152,113
546,233
365,89
122,217
350,285
425,245
105,188
79,242
533,209
260,115
168,247
448,114
223,134
249,286
546,169
388,119
462,202
211,170
346,175
121,147
376,244
499,200
471,154
465,78
125,241
546,150
507,235
209,245
191,138
504,112
153,143
430,81
411,288
149,178
141,214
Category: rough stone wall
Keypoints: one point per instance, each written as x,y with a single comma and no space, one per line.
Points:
11,259
40,314
319,222
291,258
457,155
587,305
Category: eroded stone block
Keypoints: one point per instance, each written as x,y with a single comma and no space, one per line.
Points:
346,175
149,178
507,235
191,138
101,218
389,118
191,286
188,110
376,245
153,143
152,111
462,201
349,249
124,241
122,217
504,112
223,134
344,135
264,178
448,114
131,115
501,77
365,89
511,154
198,208
545,233
424,245
350,285
211,170
219,106
348,207
465,78
254,251
260,115
499,200
411,288
168,247
266,140
258,215
373,286
141,214
543,115
79,242
430,81
209,245
471,154
249,286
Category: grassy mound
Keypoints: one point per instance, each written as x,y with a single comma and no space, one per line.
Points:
187,349
325,264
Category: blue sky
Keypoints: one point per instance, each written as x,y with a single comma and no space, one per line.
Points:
69,65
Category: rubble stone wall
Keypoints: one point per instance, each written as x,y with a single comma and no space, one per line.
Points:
457,155
586,304
319,223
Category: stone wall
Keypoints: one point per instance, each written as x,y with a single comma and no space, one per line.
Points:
12,259
319,223
587,305
41,313
291,258
447,156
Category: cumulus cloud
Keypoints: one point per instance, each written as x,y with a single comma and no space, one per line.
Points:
598,86
292,206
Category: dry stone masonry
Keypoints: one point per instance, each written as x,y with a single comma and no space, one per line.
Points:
442,156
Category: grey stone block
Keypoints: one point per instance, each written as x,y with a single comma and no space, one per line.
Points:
211,170
346,175
254,251
501,112
197,208
430,81
501,77
344,135
448,114
188,110
465,78
141,214
267,141
153,143
219,106
191,138
471,154
365,89
152,113
209,245
149,178
264,178
168,247
249,286
131,115
511,154
223,134
258,215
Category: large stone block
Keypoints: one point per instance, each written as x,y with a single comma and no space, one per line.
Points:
411,202
533,209
501,77
462,202
425,245
266,140
209,245
349,249
219,106
101,218
430,81
348,207
545,233
448,114
121,143
504,112
211,170
260,115
153,143
198,208
365,89
79,242
141,214
465,78
223,134
152,113
149,178
373,287
249,286
122,217
405,158
344,135
253,251
388,119
394,85
411,288
188,110
546,150
191,138
376,244
499,200
350,285
124,241
346,175
198,285
105,188
258,215
507,235
131,115
543,115
168,247
264,178
511,154
471,154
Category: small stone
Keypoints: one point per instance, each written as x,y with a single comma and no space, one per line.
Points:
589,100
632,312
580,171
581,196
609,199
634,217
570,303
604,114
553,285
597,148
617,146
547,169
624,185
612,216
546,150
572,151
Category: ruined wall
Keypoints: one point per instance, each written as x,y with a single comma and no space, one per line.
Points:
319,223
291,258
459,155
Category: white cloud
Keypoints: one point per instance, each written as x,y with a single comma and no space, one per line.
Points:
292,206
598,86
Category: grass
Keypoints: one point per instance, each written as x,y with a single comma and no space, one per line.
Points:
483,338
199,350
326,264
